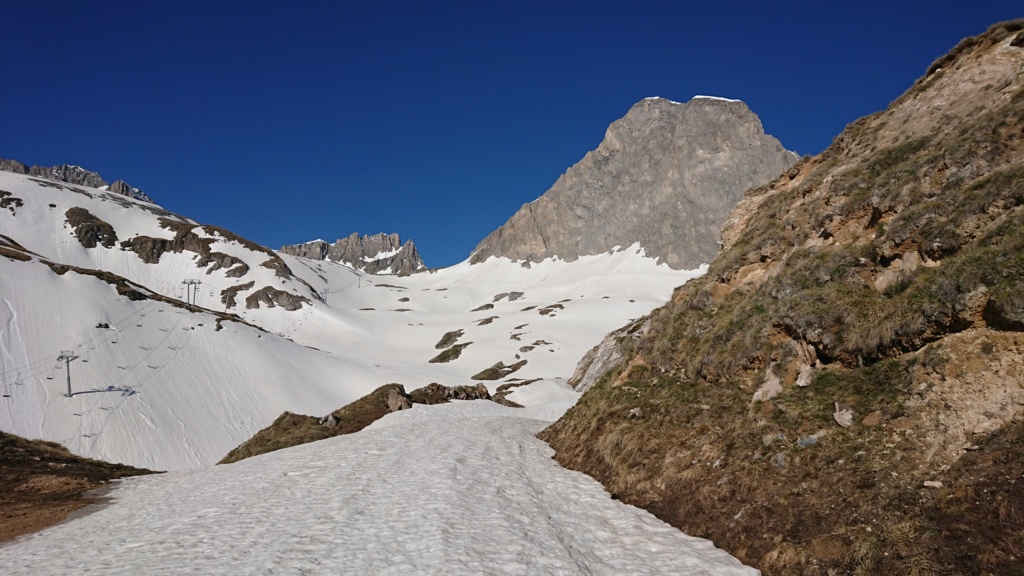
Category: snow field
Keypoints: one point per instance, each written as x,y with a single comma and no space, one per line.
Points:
463,488
163,390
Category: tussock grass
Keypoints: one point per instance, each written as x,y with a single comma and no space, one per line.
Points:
290,429
701,457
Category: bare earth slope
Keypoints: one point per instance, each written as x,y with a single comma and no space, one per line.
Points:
843,391
42,482
665,176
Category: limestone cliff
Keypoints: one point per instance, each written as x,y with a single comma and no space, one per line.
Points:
665,176
376,254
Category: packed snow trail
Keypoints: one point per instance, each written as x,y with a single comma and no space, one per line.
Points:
463,488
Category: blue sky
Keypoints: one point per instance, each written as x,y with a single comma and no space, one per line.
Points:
290,121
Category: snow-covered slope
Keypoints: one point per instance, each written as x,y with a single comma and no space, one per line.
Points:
164,388
463,488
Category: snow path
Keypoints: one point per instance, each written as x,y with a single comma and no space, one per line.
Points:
461,489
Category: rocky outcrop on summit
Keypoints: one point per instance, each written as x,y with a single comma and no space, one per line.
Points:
71,174
665,176
841,393
124,189
376,254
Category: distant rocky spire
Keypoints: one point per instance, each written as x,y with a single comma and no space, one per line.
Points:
376,254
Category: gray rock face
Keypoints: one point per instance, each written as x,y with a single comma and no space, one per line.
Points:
73,175
376,254
602,358
123,188
666,176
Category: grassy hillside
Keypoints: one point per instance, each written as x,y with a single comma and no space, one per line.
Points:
295,429
858,337
42,482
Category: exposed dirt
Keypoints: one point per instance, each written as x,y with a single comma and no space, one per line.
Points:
41,483
449,338
498,371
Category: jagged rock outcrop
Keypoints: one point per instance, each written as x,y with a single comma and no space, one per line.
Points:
665,176
89,229
842,391
124,189
376,254
71,174
435,393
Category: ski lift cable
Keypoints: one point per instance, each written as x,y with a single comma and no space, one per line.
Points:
140,383
152,351
37,367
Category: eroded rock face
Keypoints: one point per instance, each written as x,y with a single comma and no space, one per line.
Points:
665,176
604,357
271,297
376,254
73,175
89,229
435,393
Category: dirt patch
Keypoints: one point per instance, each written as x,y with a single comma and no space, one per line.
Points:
452,353
228,295
435,393
43,483
498,371
449,338
550,310
271,297
512,296
10,202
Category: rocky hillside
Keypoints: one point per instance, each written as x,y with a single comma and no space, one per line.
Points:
376,254
74,175
842,393
665,176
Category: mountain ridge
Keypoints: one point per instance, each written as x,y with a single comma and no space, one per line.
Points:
380,253
74,174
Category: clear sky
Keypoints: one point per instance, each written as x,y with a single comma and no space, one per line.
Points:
290,121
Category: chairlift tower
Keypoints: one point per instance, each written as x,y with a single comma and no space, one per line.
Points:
191,290
67,356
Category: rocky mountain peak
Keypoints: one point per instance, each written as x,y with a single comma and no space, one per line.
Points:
377,253
73,174
665,177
